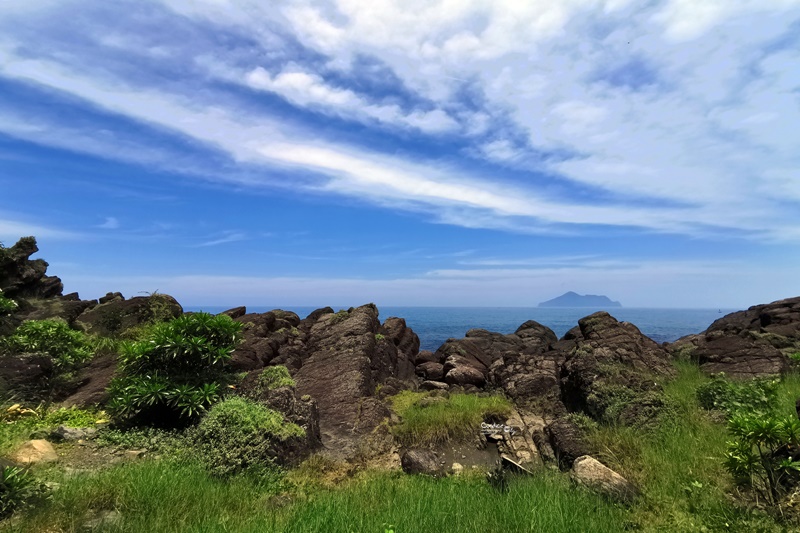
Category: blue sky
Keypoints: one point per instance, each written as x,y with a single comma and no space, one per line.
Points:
454,152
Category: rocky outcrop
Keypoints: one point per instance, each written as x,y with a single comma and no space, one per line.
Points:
591,473
23,277
612,368
567,442
343,360
747,344
118,314
25,376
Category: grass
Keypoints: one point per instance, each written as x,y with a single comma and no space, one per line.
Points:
172,497
14,434
679,465
427,420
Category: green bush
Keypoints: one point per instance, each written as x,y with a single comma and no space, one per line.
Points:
273,377
54,337
174,371
760,456
7,305
17,486
238,434
757,396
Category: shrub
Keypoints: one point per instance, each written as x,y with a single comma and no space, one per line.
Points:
273,377
174,371
17,486
7,305
761,454
54,337
238,434
757,396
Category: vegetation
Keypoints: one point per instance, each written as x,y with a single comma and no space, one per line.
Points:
17,486
239,434
7,305
54,337
756,396
429,419
273,377
175,370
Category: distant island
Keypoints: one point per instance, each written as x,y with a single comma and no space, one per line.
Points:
572,299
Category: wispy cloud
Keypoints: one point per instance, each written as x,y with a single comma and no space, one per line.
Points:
12,230
110,223
226,238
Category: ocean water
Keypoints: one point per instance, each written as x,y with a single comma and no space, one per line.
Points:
434,325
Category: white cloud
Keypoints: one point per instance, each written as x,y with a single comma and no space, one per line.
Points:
12,230
227,237
110,223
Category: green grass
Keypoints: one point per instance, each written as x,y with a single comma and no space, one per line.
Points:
15,433
173,497
443,419
679,465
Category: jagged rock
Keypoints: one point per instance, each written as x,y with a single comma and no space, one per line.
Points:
426,356
459,373
110,297
746,344
22,277
235,312
34,452
117,315
430,371
590,472
338,374
433,386
66,309
567,442
420,462
612,365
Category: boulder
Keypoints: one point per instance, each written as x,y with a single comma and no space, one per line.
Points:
567,442
34,452
72,434
462,374
235,312
430,371
91,384
417,461
25,375
591,473
740,357
117,315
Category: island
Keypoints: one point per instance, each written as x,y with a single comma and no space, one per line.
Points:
572,299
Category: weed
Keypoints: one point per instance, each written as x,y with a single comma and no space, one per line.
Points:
67,347
17,486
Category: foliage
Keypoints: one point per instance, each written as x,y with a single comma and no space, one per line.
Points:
340,316
760,456
174,371
7,305
756,396
67,347
273,377
238,434
432,420
17,486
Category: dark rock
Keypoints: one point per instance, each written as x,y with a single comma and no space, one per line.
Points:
431,371
67,310
314,315
567,442
117,316
25,375
110,297
420,462
426,356
92,382
71,297
738,357
462,374
235,312
22,277
434,386
611,366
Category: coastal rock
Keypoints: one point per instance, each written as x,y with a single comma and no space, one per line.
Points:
746,344
420,462
591,473
430,371
567,442
611,365
90,387
25,376
67,309
235,312
22,277
118,315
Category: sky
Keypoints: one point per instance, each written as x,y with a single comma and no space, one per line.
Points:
407,153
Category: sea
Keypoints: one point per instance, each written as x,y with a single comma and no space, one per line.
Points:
434,325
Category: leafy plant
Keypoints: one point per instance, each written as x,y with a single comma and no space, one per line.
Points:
16,487
238,434
761,454
174,371
7,305
757,396
54,337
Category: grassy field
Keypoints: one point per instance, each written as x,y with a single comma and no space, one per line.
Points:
678,466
